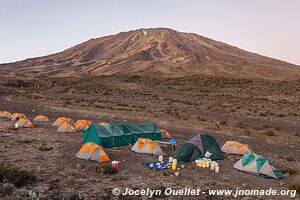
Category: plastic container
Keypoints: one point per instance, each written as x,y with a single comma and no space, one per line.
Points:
206,164
115,164
170,159
200,164
174,166
217,169
160,158
212,166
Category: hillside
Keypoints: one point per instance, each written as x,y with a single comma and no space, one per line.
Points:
153,51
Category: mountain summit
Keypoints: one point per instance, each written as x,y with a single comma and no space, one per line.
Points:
154,51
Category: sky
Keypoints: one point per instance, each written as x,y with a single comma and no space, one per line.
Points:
31,28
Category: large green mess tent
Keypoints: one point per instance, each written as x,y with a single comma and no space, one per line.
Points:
115,135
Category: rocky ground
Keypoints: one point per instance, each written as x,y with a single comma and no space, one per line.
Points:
263,114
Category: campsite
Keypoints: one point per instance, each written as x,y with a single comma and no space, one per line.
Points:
136,100
51,155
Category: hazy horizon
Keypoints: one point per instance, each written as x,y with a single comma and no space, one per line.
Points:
38,28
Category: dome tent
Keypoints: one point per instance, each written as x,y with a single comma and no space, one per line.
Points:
23,122
234,147
104,124
197,146
144,145
62,120
82,125
66,128
17,116
165,134
41,118
80,121
258,165
5,114
91,151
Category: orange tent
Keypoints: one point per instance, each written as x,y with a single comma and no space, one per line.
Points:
83,125
83,121
145,145
104,123
5,114
41,118
26,123
234,147
66,128
165,134
91,151
61,120
17,116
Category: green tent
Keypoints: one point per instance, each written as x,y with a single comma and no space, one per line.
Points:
115,135
258,165
197,146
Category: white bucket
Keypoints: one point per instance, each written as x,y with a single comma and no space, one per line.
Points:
212,166
175,161
160,158
217,169
170,159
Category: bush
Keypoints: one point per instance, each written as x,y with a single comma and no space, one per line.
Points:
295,186
106,168
15,176
159,188
290,159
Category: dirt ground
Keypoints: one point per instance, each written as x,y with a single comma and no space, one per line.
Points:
263,114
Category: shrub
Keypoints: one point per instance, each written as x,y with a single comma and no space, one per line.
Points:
288,171
15,176
159,188
290,159
106,168
295,186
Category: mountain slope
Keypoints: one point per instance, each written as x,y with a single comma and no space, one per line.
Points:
154,51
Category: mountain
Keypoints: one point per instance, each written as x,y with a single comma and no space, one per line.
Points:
160,51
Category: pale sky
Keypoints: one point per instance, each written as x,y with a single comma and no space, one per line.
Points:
31,28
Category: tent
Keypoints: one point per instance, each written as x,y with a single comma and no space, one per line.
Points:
5,114
120,134
165,134
70,121
197,146
61,120
234,147
41,118
66,128
103,123
91,151
257,165
26,123
144,145
17,116
83,121
82,126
